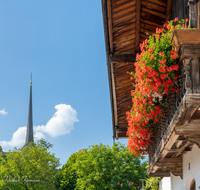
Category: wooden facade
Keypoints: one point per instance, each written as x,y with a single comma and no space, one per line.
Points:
126,24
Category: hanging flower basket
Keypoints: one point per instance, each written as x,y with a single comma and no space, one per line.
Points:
155,75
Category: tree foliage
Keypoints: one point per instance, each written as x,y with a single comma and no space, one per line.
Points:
153,183
103,167
31,167
67,178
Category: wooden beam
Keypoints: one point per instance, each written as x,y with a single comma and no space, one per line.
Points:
137,26
193,99
189,114
164,149
160,174
191,128
195,140
169,164
110,25
181,149
168,11
169,144
172,160
175,173
123,58
114,95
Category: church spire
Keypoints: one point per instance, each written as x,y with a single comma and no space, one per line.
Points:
29,134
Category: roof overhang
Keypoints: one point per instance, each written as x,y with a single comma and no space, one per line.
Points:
127,23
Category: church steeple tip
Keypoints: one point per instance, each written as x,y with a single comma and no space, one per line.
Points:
29,134
31,79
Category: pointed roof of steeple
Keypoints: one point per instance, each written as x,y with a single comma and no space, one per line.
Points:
29,134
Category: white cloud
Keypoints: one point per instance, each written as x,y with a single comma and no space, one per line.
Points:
3,112
38,135
61,123
18,138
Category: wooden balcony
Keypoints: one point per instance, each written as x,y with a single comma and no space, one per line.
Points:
179,130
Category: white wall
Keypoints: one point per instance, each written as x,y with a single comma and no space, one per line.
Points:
192,157
165,183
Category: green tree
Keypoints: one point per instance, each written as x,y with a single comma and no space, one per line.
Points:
153,183
31,167
102,167
43,143
67,178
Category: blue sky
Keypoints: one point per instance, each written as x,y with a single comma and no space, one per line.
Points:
62,44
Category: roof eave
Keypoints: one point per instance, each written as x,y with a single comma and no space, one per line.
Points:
107,44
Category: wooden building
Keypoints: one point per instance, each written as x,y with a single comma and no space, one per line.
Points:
127,23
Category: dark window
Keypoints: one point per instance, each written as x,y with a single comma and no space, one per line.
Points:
193,185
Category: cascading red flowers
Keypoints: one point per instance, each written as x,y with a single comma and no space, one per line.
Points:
155,74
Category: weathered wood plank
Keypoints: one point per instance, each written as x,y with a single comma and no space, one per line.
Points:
123,23
124,18
152,17
162,151
159,2
169,10
123,12
119,3
110,25
169,164
160,174
123,6
123,40
181,149
127,27
123,34
125,51
122,63
154,12
151,22
125,45
153,6
196,115
137,26
146,31
114,94
172,160
189,113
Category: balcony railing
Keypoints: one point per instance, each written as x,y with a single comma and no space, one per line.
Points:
176,133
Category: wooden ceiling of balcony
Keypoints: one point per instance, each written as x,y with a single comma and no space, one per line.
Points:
129,22
126,25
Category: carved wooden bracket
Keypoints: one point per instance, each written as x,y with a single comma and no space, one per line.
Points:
188,82
175,173
192,18
195,140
